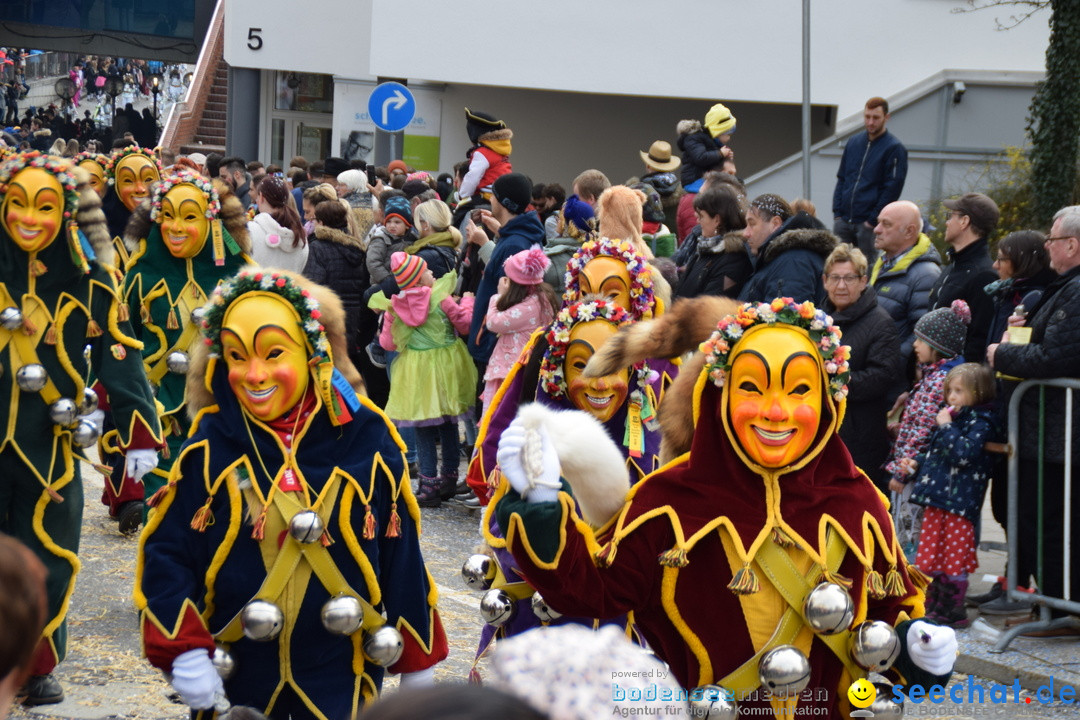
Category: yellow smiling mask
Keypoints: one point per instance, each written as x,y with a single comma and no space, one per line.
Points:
266,355
97,176
184,225
607,277
133,176
33,209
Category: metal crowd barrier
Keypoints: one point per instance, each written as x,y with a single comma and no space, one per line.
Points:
1044,602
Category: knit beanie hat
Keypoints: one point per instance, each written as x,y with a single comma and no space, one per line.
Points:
945,329
407,269
527,267
398,206
397,165
578,213
719,120
513,191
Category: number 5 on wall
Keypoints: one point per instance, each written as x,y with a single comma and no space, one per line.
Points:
255,41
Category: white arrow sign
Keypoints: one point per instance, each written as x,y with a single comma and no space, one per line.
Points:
398,100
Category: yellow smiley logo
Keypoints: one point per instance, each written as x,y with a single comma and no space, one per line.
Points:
862,693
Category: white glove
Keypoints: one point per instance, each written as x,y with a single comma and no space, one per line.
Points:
139,462
98,418
932,647
419,679
528,460
196,679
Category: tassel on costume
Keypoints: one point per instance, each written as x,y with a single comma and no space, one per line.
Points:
675,557
171,323
393,528
745,581
37,268
123,312
203,517
781,538
875,586
838,579
28,327
50,335
53,495
93,329
158,495
325,539
606,555
259,530
144,314
369,523
894,584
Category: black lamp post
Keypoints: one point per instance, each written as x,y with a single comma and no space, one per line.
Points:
65,90
114,86
156,80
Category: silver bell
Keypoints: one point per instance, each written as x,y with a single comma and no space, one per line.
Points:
64,412
11,318
784,671
261,620
828,609
197,316
542,610
497,607
478,572
342,615
89,402
713,701
32,377
224,663
84,434
384,646
177,362
874,645
884,706
306,526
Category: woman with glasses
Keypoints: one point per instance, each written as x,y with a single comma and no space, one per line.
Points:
875,358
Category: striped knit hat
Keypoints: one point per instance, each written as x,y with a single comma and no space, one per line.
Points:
407,269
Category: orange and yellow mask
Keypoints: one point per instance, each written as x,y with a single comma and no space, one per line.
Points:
607,277
599,396
266,355
774,396
97,176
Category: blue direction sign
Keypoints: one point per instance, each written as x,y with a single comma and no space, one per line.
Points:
391,106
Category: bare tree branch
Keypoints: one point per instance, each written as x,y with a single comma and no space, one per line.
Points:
1032,7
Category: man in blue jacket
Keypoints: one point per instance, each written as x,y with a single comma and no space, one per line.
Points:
518,228
871,175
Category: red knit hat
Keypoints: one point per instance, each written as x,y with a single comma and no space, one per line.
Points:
527,267
407,269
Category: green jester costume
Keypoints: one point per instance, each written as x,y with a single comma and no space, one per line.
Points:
189,236
60,316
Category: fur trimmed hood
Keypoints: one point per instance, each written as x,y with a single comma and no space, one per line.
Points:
338,237
821,242
496,135
199,394
233,216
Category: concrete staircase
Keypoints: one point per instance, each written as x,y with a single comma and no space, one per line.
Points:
197,122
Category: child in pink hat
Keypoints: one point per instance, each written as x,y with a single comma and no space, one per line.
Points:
522,304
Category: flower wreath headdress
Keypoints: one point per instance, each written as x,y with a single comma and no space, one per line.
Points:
121,153
258,280
552,373
781,311
642,298
181,177
102,160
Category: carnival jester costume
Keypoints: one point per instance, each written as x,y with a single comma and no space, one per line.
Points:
768,503
130,172
288,532
60,317
189,237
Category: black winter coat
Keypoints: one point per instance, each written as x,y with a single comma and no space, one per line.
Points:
338,261
790,265
965,278
700,154
720,266
876,363
1054,352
